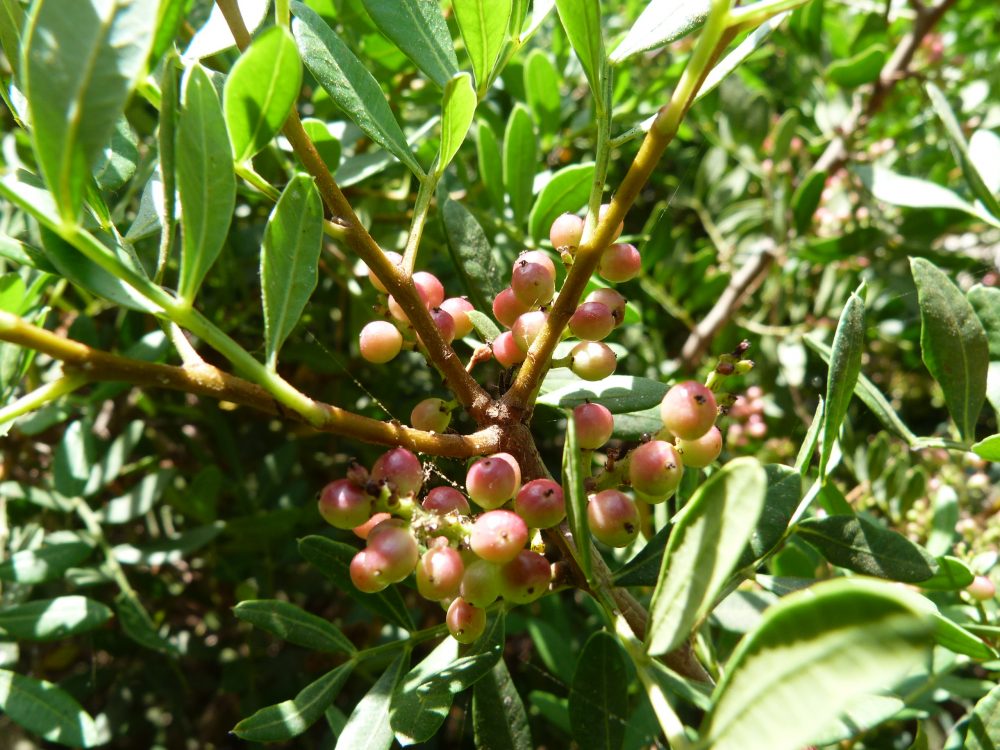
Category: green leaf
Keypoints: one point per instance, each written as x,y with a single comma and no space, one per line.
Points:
858,69
349,83
484,25
707,540
326,144
458,108
368,726
74,456
117,162
784,491
983,731
291,718
169,18
661,22
47,710
11,23
952,575
261,90
574,474
293,624
289,258
333,559
865,547
782,134
80,63
953,344
205,179
470,251
806,199
912,192
845,366
598,696
988,448
520,149
961,150
484,325
418,28
985,301
424,696
499,721
490,165
954,637
582,21
168,550
541,85
139,626
31,566
52,619
621,394
138,500
644,568
567,191
852,636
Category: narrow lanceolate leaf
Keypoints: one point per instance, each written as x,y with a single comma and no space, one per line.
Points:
136,623
11,22
293,624
261,90
598,696
865,547
205,179
845,366
470,250
704,547
986,302
499,720
852,636
51,619
490,165
289,258
458,107
138,500
582,21
567,191
81,60
953,344
368,726
988,448
44,564
291,718
784,491
983,731
573,475
418,28
47,710
349,83
483,24
519,161
621,394
662,22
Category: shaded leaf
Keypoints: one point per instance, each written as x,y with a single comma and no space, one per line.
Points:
499,720
520,160
46,563
784,491
139,626
138,500
598,695
621,394
574,474
168,550
845,366
952,575
983,732
805,200
470,251
47,710
418,28
490,165
51,619
293,624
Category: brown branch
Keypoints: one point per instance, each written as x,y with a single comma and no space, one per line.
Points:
206,380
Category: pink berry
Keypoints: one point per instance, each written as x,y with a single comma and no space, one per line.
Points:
655,469
344,504
439,573
396,548
525,578
613,518
602,213
541,504
566,231
981,589
498,535
592,360
506,307
532,283
400,469
380,341
610,299
365,529
688,410
491,482
701,452
431,415
396,259
592,321
527,327
446,499
513,464
430,289
366,572
481,583
540,257
445,324
458,308
620,262
594,425
465,622
397,311
506,351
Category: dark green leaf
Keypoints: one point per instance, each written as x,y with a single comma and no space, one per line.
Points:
499,720
205,179
567,191
47,710
117,162
138,625
806,199
261,90
289,258
782,134
169,18
983,731
36,496
952,575
943,521
705,545
598,696
74,456
138,500
80,63
520,160
368,726
484,25
168,550
644,568
784,491
470,251
582,21
661,22
635,424
43,564
292,624
985,300
953,344
418,28
574,473
845,366
490,165
333,559
51,619
349,83
292,717
458,108
621,394
859,69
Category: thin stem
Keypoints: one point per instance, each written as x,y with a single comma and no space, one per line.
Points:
420,210
247,172
282,16
42,395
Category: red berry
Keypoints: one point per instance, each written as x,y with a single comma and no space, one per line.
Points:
655,469
445,499
594,425
396,259
540,257
613,518
592,360
701,452
439,573
465,622
445,324
513,464
592,321
481,583
620,262
506,350
532,283
458,308
527,327
525,578
380,341
396,548
566,231
498,535
401,469
688,410
431,415
491,482
610,299
344,504
506,307
430,289
541,504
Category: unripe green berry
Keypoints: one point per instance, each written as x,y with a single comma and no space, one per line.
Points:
592,360
465,622
380,341
481,583
431,415
689,410
655,469
613,518
701,452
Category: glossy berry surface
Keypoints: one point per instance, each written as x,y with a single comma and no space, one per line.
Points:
480,583
655,469
592,321
532,283
594,425
613,518
540,503
439,573
401,469
344,504
506,351
526,329
498,535
566,231
396,550
688,410
431,414
592,360
610,299
491,482
465,622
459,308
620,262
445,500
525,578
380,341
507,307
430,289
701,452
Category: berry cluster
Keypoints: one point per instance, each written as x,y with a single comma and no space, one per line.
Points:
747,416
462,560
